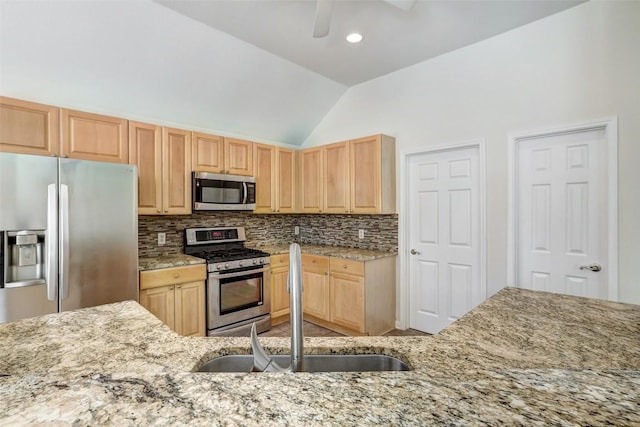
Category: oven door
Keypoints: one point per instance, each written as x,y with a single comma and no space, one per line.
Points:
237,295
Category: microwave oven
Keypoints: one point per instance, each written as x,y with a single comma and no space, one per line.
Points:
218,192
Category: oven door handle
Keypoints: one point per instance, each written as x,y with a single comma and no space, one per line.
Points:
217,275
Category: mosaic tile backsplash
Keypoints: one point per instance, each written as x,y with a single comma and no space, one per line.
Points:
380,231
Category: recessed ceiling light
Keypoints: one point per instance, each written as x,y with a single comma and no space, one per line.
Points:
354,38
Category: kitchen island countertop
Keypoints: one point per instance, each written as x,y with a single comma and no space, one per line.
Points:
521,357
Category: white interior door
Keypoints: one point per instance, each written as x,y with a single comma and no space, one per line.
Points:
444,237
561,213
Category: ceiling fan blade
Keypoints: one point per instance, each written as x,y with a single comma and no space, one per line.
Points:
322,19
402,4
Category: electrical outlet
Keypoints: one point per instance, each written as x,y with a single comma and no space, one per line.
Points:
162,238
296,230
360,234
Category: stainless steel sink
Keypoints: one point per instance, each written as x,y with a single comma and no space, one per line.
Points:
311,363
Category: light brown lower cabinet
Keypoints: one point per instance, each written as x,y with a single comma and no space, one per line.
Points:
279,294
350,297
177,297
315,295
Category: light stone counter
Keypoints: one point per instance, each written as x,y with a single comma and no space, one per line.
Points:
168,261
521,358
354,254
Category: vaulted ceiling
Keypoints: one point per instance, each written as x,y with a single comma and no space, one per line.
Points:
240,68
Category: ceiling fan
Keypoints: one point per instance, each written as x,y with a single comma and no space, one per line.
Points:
322,19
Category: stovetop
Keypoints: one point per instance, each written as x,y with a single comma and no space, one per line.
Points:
229,254
223,248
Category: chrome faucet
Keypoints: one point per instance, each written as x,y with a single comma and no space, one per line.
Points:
261,359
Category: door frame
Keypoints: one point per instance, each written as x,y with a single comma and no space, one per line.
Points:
610,126
404,290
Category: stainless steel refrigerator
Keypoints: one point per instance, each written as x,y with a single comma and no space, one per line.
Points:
68,232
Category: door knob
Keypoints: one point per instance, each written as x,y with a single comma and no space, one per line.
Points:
414,252
591,267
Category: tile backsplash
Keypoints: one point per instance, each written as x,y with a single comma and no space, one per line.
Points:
380,231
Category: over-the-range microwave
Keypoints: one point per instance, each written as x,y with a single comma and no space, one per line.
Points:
218,192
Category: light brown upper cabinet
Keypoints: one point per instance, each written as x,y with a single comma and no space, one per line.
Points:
335,158
372,174
238,157
163,157
216,154
275,174
311,180
28,127
359,176
89,136
207,153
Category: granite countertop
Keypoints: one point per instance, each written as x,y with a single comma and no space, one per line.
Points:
167,261
520,358
354,254
178,260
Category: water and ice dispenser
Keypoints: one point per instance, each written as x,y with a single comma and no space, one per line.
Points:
23,257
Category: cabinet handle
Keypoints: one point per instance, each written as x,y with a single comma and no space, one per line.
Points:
166,210
179,287
175,276
344,266
158,210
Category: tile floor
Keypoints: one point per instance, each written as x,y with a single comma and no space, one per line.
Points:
311,330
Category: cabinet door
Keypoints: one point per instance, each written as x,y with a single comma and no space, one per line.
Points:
207,153
311,180
279,294
365,175
160,302
190,309
28,127
286,180
176,171
347,301
336,177
146,152
238,157
315,297
88,136
264,169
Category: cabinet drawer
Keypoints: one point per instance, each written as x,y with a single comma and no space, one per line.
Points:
315,261
339,265
279,260
171,276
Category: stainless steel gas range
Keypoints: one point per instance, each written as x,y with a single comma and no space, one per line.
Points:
238,280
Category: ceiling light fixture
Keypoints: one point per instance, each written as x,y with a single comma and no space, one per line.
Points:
354,38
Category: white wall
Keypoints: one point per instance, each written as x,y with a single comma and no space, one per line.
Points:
142,61
575,66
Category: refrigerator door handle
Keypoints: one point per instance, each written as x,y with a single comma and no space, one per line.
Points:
52,242
64,241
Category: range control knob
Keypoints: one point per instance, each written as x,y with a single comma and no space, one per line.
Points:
220,266
226,265
241,263
255,261
261,261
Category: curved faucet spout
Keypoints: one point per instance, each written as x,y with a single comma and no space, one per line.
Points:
261,360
